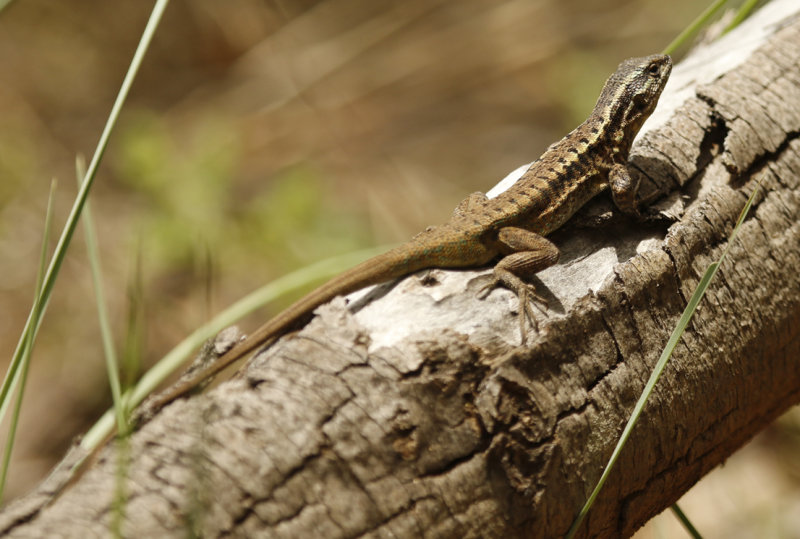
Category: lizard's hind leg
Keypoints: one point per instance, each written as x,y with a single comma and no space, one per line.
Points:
530,253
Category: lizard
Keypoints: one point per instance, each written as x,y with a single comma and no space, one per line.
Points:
512,226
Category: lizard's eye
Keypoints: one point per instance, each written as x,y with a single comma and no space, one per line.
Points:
653,70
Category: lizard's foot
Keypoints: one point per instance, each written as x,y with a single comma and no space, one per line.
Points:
526,293
529,253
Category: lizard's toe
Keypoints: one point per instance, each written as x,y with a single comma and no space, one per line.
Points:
486,289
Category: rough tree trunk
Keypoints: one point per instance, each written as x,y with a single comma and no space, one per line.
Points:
415,413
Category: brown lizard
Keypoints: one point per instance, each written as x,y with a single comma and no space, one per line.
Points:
512,226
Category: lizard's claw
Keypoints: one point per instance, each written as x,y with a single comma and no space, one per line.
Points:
534,297
527,297
486,289
526,293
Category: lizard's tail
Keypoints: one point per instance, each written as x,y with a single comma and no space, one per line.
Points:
395,263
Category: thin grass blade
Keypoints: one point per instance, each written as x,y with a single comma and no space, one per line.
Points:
695,26
686,522
28,349
741,15
178,355
93,252
684,320
51,274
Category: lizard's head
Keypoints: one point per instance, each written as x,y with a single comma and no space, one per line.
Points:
631,93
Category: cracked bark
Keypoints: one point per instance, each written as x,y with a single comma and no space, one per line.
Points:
418,415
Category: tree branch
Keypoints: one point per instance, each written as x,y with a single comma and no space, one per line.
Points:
414,413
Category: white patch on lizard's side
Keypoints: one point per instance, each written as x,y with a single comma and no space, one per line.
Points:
510,179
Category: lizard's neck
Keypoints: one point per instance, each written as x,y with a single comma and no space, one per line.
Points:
564,178
575,169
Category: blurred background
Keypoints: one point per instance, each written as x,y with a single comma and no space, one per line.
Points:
263,135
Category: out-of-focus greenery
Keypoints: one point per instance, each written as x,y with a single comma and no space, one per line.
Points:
183,185
179,182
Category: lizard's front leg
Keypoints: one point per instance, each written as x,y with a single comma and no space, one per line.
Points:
530,253
624,190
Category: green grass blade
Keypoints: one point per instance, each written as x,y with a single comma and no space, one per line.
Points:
178,355
51,274
134,327
686,522
112,365
741,15
695,26
661,363
28,349
120,502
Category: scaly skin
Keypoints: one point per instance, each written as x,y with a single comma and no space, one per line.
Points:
511,226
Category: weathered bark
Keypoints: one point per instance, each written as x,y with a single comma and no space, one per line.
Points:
419,416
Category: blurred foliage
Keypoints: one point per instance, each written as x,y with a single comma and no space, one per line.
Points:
17,159
181,183
293,221
575,84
